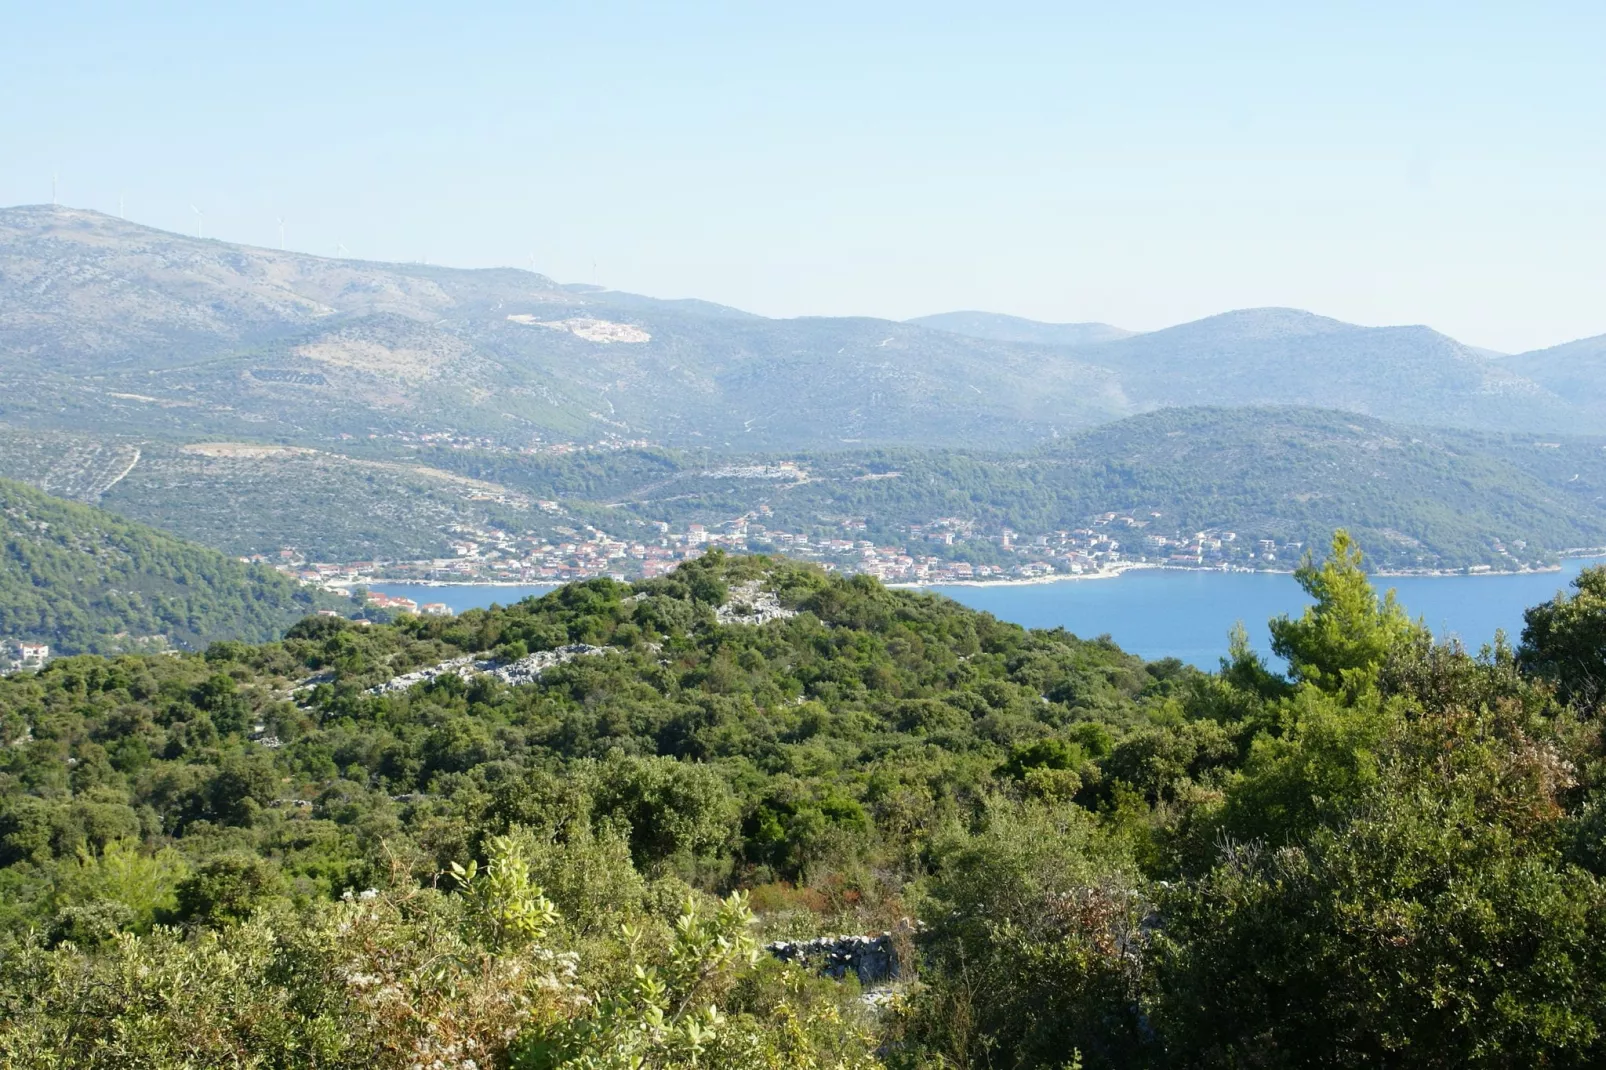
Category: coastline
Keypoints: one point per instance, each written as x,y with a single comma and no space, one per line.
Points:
1101,574
1456,573
1111,573
444,583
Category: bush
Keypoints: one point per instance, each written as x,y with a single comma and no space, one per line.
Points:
227,889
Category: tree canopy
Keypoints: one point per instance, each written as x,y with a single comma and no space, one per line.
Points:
1393,853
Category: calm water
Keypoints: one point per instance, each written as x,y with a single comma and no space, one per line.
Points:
462,596
1160,613
1163,612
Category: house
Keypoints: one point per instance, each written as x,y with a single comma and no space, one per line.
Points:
435,609
34,654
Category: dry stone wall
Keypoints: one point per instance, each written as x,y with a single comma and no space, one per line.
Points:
872,959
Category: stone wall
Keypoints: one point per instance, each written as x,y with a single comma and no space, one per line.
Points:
871,959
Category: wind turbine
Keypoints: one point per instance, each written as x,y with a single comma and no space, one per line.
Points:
200,221
281,234
53,178
340,248
120,207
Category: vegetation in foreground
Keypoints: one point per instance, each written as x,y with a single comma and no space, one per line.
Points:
1391,854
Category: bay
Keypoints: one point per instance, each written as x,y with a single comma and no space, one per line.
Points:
461,596
1178,613
1188,614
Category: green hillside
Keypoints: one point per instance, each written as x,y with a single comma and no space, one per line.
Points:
1079,858
1420,498
85,580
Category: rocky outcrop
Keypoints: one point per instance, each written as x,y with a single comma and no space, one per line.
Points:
525,670
872,959
748,604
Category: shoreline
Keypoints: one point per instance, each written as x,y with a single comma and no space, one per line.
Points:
1103,574
370,584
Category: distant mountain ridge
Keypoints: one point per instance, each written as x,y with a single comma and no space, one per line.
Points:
1576,370
1283,356
1001,328
106,325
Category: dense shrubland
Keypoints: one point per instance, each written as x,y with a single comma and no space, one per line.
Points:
1392,853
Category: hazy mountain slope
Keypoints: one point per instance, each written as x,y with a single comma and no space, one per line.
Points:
83,579
1576,370
1001,328
1289,357
818,381
85,291
104,323
108,325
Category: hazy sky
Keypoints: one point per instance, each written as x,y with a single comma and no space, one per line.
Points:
1138,163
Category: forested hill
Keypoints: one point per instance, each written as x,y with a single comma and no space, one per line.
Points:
553,835
1418,497
85,580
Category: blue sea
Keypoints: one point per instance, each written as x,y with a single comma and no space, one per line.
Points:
1183,614
463,596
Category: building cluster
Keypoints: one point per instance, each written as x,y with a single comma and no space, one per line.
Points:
407,605
943,550
534,446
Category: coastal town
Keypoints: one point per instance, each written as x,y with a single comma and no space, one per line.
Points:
946,550
943,551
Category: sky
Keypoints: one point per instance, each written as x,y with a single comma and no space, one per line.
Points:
1141,164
